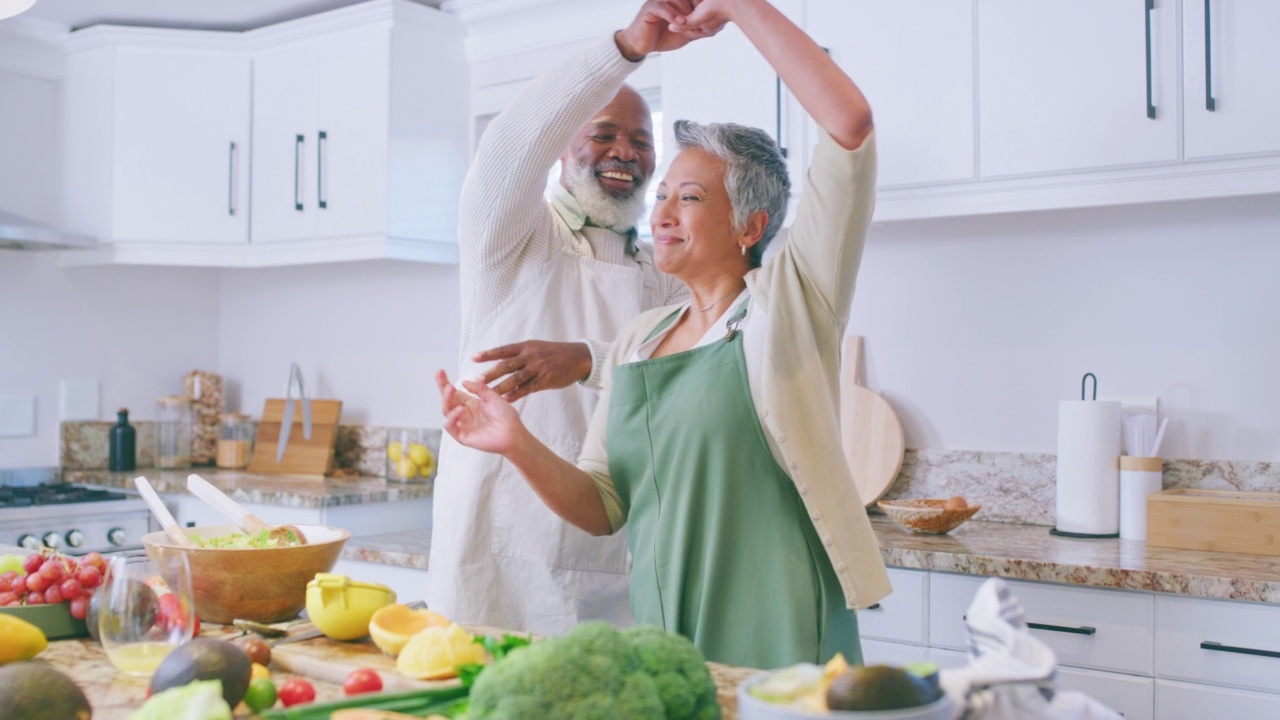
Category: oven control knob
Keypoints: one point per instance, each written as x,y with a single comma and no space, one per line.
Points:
75,538
29,542
51,540
117,536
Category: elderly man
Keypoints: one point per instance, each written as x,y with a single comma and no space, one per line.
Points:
568,271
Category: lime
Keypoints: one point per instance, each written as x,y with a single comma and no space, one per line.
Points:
261,694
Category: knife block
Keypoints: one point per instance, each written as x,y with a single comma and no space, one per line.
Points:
302,457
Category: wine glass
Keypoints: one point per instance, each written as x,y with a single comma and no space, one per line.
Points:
145,609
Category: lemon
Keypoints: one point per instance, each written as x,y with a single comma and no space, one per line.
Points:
436,653
394,451
20,640
421,455
259,670
406,468
391,627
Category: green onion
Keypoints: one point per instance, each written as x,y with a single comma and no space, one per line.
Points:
411,702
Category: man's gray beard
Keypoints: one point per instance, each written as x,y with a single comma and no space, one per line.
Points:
617,214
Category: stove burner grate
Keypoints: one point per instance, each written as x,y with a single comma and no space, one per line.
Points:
11,497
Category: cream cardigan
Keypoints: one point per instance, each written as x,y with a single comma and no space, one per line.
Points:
806,291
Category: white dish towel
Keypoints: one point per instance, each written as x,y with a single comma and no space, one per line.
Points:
1011,674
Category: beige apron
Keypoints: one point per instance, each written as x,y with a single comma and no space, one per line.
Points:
498,556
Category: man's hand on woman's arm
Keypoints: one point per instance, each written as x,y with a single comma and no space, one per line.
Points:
534,365
658,27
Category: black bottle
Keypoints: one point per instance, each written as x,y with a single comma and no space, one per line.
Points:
121,456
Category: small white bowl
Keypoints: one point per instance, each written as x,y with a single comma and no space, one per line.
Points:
751,707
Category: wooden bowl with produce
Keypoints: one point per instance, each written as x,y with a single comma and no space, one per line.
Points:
930,516
251,577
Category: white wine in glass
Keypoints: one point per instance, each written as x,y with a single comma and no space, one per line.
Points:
146,609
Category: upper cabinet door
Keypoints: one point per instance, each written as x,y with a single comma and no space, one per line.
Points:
352,71
181,156
725,79
1064,86
1230,90
914,61
284,152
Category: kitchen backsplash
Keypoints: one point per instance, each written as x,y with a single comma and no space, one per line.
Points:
1012,487
359,448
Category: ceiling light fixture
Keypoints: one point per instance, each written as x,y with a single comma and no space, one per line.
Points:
9,8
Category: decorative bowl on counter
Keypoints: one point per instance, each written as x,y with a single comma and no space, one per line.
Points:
932,516
260,584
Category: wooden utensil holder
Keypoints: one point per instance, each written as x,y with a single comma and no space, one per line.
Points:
1215,520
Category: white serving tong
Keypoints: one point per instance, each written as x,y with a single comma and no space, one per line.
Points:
171,527
233,511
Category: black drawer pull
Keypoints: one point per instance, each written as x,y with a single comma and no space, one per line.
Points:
1082,630
876,606
1151,108
1211,645
1209,103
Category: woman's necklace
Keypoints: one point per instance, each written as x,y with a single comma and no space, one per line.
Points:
705,308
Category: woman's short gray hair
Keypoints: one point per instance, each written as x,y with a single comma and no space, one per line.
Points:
755,174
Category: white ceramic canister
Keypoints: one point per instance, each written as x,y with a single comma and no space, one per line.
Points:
1139,477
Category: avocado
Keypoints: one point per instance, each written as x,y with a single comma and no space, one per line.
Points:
879,687
35,691
205,659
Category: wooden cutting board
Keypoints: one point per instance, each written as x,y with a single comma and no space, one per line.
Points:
872,434
302,456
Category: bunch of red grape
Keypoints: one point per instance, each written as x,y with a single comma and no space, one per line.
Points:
51,579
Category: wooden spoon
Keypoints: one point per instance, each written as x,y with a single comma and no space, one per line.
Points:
252,524
171,526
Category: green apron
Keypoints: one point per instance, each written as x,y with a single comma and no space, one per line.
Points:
722,550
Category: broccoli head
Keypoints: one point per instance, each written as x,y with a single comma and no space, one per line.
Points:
595,672
678,671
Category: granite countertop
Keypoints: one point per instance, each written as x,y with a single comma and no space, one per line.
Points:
1023,552
281,490
115,696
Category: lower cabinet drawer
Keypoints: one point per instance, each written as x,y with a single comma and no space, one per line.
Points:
900,617
1218,642
1129,695
878,652
1189,701
1085,627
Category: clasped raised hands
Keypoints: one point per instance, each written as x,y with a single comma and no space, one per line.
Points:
665,25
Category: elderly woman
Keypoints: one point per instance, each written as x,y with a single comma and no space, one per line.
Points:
716,440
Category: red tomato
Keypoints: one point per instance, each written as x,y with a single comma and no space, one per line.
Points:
363,680
295,691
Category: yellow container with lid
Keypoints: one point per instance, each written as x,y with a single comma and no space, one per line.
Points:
341,607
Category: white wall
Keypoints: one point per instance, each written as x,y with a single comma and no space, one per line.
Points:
977,327
371,334
137,331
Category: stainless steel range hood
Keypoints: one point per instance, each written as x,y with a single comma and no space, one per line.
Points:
20,233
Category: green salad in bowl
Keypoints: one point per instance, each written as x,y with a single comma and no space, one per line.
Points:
261,539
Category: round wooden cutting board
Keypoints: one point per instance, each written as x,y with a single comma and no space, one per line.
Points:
872,434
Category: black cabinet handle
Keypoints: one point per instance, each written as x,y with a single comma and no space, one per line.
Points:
1082,630
231,180
1211,645
297,171
321,144
1209,104
875,606
1151,108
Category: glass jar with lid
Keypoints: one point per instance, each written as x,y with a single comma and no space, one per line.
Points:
235,440
173,433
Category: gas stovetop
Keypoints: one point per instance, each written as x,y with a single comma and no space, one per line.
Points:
17,497
71,518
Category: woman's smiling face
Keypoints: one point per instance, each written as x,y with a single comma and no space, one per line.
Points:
692,219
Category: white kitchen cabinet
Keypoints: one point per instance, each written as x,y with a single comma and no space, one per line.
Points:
913,60
1188,701
1132,696
1221,643
357,519
1230,94
409,584
878,652
902,616
359,118
1064,86
155,137
724,79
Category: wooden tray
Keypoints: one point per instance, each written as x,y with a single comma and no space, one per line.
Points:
302,457
1215,520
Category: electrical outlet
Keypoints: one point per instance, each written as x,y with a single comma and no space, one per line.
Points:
80,400
17,415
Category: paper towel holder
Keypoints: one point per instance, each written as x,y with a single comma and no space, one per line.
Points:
1084,384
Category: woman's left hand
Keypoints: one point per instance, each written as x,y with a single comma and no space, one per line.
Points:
479,418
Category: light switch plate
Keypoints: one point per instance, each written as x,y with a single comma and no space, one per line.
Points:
80,400
1135,403
17,415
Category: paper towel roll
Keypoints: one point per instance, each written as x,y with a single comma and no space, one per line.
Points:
1088,492
1139,477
